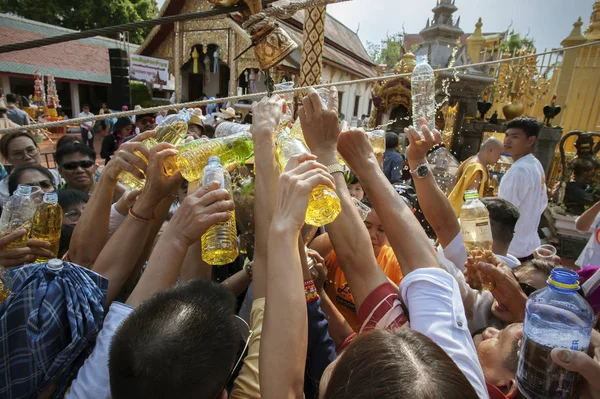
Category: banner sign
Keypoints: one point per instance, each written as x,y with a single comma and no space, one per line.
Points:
149,70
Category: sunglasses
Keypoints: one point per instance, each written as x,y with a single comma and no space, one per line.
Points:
245,335
76,164
526,288
45,184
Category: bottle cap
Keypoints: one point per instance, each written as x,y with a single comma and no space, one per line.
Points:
564,279
50,198
55,264
469,194
23,189
213,159
421,59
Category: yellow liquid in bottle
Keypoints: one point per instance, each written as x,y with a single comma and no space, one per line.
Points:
172,134
17,213
46,226
323,204
219,243
21,242
377,140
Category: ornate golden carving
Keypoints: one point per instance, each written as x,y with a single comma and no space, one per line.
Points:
205,24
312,46
273,48
219,37
394,92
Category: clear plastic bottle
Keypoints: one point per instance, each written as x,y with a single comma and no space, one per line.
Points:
170,165
225,129
555,317
422,86
47,223
219,243
477,238
323,204
171,130
235,148
377,139
17,213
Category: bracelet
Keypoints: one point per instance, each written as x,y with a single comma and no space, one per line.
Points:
138,217
310,291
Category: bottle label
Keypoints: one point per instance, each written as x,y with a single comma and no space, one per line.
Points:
476,230
539,376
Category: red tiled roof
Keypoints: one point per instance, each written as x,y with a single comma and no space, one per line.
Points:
71,55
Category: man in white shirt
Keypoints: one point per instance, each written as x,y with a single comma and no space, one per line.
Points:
161,116
524,185
87,128
589,221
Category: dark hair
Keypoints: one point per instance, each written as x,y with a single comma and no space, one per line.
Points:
391,140
543,266
13,178
11,98
511,361
529,125
407,363
209,131
85,106
122,122
67,139
69,149
69,197
193,327
8,137
503,218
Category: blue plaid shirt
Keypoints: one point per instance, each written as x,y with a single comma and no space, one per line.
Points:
47,324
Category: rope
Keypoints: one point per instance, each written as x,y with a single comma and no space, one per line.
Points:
124,27
194,104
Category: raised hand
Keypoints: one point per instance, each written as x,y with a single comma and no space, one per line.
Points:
356,149
266,115
420,145
507,291
320,125
198,211
125,158
157,182
302,174
22,256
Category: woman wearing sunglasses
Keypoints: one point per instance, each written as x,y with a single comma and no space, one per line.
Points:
20,149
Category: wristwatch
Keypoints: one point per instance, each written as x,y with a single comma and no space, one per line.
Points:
420,171
335,168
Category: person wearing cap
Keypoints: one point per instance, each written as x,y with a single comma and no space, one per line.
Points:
196,124
111,142
226,115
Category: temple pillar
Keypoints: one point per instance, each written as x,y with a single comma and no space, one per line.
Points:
75,105
5,84
313,40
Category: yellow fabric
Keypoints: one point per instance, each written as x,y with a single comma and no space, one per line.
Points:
339,291
247,384
469,172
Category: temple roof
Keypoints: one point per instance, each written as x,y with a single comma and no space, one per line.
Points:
83,60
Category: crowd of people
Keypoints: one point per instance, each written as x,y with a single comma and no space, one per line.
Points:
364,307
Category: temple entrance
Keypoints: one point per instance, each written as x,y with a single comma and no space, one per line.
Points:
403,120
204,74
252,80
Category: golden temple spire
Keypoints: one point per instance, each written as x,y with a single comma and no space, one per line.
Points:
475,42
575,37
593,31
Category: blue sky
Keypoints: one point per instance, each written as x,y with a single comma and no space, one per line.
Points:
547,21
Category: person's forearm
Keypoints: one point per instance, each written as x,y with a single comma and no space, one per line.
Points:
158,277
285,306
237,283
91,232
339,329
435,206
406,236
585,221
194,268
265,196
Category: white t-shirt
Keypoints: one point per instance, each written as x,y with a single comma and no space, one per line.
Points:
92,380
524,186
86,125
436,310
590,256
159,119
510,260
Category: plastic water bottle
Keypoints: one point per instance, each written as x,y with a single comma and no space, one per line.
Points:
171,130
219,243
556,317
422,86
47,223
17,213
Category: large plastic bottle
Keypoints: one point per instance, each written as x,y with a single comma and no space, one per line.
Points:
17,213
477,237
171,130
323,204
194,157
422,86
219,243
556,317
47,223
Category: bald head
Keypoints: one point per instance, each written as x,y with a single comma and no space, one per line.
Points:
490,151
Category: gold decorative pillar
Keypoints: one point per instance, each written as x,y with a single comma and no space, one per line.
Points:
475,43
177,45
312,46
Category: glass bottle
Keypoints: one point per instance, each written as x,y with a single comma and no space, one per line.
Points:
17,213
47,223
172,130
555,317
219,243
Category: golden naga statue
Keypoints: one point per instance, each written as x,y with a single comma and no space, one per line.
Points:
396,91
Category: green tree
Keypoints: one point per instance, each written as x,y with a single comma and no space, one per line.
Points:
85,14
389,52
516,42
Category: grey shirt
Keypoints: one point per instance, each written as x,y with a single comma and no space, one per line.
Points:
18,116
